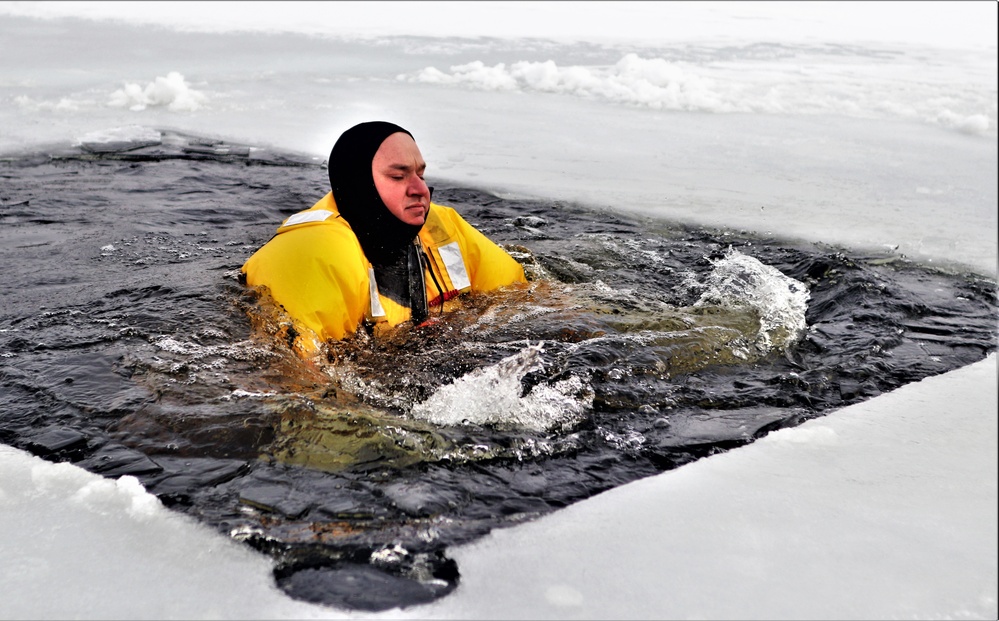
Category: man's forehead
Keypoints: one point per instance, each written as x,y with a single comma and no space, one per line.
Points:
400,151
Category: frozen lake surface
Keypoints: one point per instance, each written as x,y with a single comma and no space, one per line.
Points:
822,130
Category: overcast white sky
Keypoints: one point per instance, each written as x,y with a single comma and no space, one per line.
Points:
948,23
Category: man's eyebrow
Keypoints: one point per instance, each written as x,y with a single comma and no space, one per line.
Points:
422,166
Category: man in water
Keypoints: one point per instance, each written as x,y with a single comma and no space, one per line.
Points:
374,251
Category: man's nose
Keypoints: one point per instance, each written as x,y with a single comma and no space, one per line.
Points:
418,186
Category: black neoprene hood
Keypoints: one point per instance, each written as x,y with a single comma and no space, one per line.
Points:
382,235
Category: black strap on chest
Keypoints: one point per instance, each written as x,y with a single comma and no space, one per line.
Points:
417,286
401,280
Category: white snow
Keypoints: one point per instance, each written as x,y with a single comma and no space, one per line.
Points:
171,91
77,545
886,509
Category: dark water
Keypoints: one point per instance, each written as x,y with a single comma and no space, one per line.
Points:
129,346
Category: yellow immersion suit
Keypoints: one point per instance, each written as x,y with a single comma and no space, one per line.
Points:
315,269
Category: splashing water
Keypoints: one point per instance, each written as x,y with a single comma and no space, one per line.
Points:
781,301
493,395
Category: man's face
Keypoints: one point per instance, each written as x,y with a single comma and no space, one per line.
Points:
397,169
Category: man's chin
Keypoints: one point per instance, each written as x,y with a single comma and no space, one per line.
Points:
417,217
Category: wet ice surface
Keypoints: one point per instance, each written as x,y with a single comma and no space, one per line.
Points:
640,345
